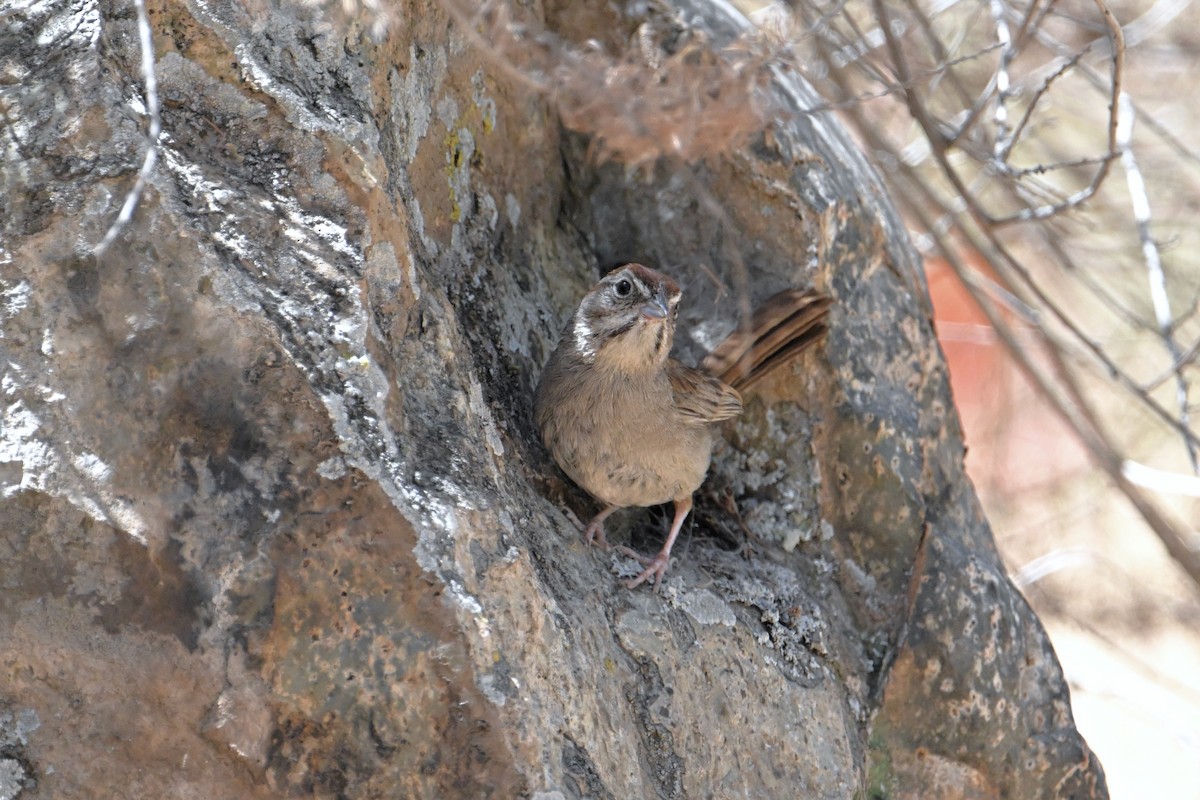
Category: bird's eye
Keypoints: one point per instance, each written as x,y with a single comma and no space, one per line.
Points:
624,287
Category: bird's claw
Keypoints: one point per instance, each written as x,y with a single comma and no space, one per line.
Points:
593,534
656,568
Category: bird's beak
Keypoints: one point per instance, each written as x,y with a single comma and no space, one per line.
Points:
657,307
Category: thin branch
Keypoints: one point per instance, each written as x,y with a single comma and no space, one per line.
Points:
1004,140
1154,268
1160,481
153,131
1063,69
1083,195
1184,359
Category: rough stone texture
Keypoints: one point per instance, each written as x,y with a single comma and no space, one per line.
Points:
274,518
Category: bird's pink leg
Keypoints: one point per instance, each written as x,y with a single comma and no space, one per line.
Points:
594,532
656,567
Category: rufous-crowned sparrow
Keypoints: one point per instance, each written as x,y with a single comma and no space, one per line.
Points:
633,426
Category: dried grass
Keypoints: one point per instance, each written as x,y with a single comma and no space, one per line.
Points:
669,93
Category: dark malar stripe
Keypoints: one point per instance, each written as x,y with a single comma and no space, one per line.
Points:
624,327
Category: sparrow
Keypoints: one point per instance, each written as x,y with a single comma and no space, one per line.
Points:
633,426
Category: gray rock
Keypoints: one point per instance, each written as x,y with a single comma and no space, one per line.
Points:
274,517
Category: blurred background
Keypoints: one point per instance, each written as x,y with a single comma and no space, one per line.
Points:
1045,155
1123,617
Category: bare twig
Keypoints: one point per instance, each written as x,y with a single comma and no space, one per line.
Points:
1004,138
1154,268
1160,481
1184,359
153,130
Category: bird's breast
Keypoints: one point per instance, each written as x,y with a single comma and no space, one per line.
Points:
620,438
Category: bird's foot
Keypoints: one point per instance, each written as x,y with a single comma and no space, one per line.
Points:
593,534
656,567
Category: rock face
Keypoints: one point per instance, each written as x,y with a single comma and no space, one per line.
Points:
275,521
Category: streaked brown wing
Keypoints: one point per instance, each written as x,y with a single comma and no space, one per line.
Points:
701,397
782,327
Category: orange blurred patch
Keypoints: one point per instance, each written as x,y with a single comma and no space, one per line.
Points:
1015,440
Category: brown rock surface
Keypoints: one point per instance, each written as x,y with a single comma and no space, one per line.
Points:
273,516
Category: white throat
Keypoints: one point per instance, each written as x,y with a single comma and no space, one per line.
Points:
583,339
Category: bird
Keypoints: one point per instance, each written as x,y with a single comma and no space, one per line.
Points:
633,426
